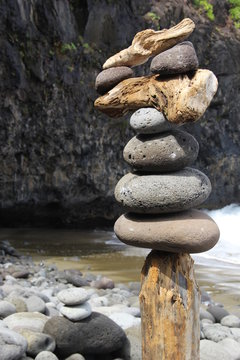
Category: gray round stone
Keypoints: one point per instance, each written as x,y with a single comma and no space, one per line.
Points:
209,350
6,309
165,152
26,320
216,332
76,313
46,355
218,312
35,304
107,79
206,315
13,345
181,58
231,321
166,193
75,357
149,121
73,296
190,231
37,342
232,347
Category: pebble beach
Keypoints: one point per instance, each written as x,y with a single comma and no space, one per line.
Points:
47,313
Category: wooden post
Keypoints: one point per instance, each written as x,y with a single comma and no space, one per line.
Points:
169,301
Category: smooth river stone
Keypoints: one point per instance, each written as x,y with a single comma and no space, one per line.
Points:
149,121
190,231
177,60
170,151
165,193
73,296
107,79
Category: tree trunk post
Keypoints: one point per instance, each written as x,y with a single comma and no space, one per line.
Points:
169,301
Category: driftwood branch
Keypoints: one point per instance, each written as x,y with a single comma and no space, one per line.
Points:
181,98
149,43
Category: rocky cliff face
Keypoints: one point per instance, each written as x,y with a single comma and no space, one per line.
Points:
60,158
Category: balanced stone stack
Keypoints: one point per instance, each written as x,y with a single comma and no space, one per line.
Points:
161,189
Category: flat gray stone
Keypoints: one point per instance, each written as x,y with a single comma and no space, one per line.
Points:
73,296
26,320
165,193
107,79
232,347
180,59
6,309
190,231
37,342
12,345
209,350
76,313
170,151
231,321
149,121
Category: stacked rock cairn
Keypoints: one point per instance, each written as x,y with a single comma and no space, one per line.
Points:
162,189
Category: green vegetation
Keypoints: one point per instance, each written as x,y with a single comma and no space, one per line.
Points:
206,7
235,12
68,47
154,18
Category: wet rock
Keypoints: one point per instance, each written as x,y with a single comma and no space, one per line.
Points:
165,152
180,59
108,78
166,193
192,231
75,279
149,121
96,334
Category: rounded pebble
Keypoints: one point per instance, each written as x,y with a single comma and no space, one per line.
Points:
191,231
179,59
170,151
46,355
149,121
76,313
231,321
6,309
73,296
165,193
107,79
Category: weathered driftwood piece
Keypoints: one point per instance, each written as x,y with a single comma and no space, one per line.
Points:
149,43
169,301
181,98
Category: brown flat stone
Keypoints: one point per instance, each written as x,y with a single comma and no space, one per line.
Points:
107,79
191,231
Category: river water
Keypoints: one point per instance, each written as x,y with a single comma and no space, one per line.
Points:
100,252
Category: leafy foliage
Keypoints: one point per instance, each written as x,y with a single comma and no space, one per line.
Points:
235,12
207,7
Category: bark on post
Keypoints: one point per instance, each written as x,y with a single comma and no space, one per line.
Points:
169,301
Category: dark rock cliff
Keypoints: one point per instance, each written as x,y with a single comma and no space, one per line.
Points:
60,158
